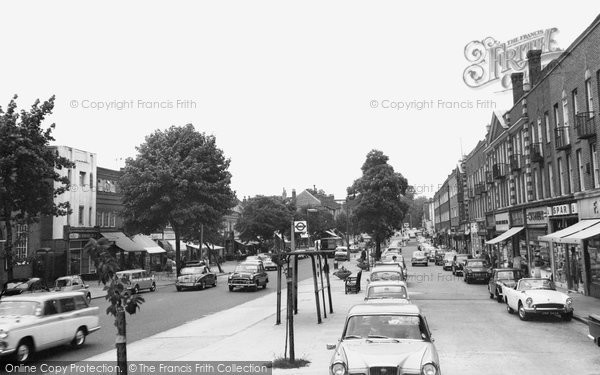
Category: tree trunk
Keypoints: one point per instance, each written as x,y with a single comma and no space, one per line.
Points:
215,257
8,247
377,249
177,252
121,341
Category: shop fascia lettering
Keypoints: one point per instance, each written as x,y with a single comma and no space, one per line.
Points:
563,209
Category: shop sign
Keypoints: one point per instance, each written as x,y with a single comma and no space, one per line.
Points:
156,236
474,227
563,209
589,208
537,215
502,223
516,218
490,221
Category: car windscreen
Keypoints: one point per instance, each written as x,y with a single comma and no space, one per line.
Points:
449,256
418,254
387,291
18,308
477,263
536,284
386,326
246,268
61,282
385,275
191,270
506,275
16,285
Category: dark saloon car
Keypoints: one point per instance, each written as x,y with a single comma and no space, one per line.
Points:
476,270
25,285
499,276
248,274
459,263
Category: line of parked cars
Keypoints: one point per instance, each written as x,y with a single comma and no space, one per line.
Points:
386,334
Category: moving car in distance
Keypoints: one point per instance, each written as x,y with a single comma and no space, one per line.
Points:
476,270
137,280
385,291
500,277
459,262
248,274
267,262
384,339
537,297
198,277
386,273
419,257
439,257
448,260
34,322
71,284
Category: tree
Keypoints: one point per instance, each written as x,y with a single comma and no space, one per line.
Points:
179,178
29,180
416,211
120,297
379,206
261,217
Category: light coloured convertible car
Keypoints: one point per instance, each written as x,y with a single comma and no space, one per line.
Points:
385,339
537,297
385,272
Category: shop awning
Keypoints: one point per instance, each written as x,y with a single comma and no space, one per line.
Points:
147,244
182,245
122,241
504,236
197,246
583,224
591,231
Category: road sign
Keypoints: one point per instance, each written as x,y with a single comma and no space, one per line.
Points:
300,226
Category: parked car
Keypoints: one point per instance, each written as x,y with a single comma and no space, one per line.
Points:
24,286
248,274
71,284
476,270
386,273
381,339
439,258
34,322
137,280
393,250
419,257
387,291
341,253
198,277
537,297
502,276
458,263
448,260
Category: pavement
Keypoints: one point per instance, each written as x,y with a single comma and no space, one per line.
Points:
584,306
224,336
163,279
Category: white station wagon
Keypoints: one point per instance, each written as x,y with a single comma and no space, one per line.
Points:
44,320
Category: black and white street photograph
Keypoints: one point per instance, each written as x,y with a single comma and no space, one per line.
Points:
300,188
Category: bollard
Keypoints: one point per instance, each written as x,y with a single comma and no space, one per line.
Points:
335,265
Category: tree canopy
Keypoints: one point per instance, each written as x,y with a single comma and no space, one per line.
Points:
179,178
29,177
379,207
263,216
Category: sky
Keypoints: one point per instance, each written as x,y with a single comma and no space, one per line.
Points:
296,93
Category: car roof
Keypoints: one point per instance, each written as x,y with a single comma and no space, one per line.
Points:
386,267
387,283
42,296
383,309
131,271
67,277
507,269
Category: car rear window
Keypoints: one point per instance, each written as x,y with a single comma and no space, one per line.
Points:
67,304
80,303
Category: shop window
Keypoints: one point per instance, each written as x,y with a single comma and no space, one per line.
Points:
594,262
81,217
596,170
20,247
560,264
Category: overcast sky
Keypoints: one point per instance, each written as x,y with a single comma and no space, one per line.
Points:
286,87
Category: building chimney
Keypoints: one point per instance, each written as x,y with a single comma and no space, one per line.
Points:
534,60
517,86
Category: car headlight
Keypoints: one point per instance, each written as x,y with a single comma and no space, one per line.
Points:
569,302
429,369
3,334
338,368
528,301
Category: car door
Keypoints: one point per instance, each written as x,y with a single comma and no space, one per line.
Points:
262,274
51,325
68,316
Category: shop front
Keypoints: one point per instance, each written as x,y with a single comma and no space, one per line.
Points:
520,254
536,220
502,247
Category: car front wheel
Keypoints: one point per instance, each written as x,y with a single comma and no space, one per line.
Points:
153,287
509,309
231,288
24,351
522,313
567,316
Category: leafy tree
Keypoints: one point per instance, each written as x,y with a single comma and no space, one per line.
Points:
263,216
179,178
379,206
416,211
120,297
28,170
